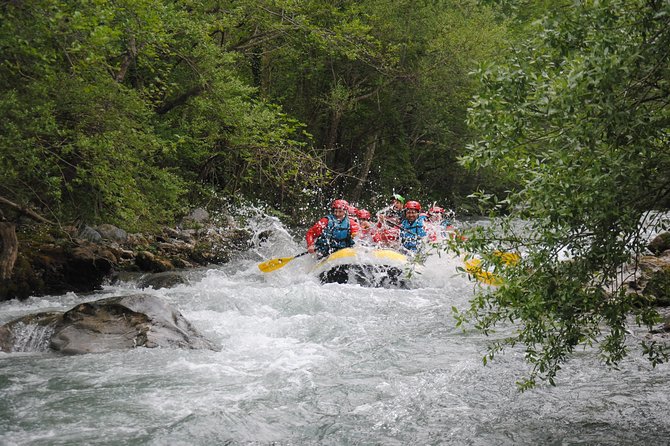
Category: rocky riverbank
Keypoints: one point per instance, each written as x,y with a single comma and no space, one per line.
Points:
82,259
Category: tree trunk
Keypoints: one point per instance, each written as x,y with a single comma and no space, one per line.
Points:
128,58
9,249
365,170
331,142
9,243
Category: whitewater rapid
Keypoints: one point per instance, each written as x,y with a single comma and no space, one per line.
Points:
306,363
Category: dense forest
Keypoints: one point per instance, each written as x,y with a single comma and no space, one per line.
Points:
555,113
125,111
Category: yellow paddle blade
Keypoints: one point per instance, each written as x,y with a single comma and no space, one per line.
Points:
508,258
474,268
274,264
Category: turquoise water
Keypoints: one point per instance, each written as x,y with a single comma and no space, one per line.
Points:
304,363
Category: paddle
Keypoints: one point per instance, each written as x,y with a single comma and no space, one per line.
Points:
275,264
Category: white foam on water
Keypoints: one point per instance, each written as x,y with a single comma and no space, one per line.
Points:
305,363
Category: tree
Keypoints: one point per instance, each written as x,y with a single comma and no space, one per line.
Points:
382,85
116,112
579,117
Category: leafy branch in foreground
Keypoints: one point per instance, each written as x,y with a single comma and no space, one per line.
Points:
580,118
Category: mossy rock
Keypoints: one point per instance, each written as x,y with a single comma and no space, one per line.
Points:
660,243
659,287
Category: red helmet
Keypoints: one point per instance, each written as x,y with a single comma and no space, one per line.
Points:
363,214
413,205
436,210
352,210
340,204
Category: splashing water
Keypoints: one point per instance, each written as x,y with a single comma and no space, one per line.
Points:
31,337
305,363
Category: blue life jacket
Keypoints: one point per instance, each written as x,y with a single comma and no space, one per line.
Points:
335,236
411,233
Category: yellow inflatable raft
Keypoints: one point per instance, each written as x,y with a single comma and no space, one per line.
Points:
362,265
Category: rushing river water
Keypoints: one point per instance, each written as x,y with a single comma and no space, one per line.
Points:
304,363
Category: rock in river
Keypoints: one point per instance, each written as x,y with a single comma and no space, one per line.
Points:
114,323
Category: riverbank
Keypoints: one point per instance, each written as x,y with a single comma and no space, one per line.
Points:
81,259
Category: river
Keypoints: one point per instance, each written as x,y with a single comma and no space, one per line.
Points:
308,364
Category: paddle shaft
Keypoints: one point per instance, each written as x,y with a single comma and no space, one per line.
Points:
275,264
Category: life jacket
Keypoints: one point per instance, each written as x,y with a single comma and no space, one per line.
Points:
336,235
411,233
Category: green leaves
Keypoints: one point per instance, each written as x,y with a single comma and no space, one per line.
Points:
576,117
116,111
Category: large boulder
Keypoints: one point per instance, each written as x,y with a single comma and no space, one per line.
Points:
114,323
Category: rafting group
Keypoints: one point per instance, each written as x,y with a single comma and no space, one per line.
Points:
401,226
348,246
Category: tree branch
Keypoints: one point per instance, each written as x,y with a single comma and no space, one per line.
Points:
180,100
24,210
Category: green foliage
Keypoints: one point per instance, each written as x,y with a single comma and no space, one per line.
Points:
117,111
81,141
578,118
124,111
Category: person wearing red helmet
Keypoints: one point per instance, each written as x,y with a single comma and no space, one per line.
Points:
367,229
333,232
352,213
437,225
364,214
412,228
388,223
438,215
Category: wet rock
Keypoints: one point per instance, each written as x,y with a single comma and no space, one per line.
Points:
89,234
187,235
662,331
115,323
182,263
175,247
147,261
79,267
135,240
167,279
31,333
198,216
237,239
125,277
